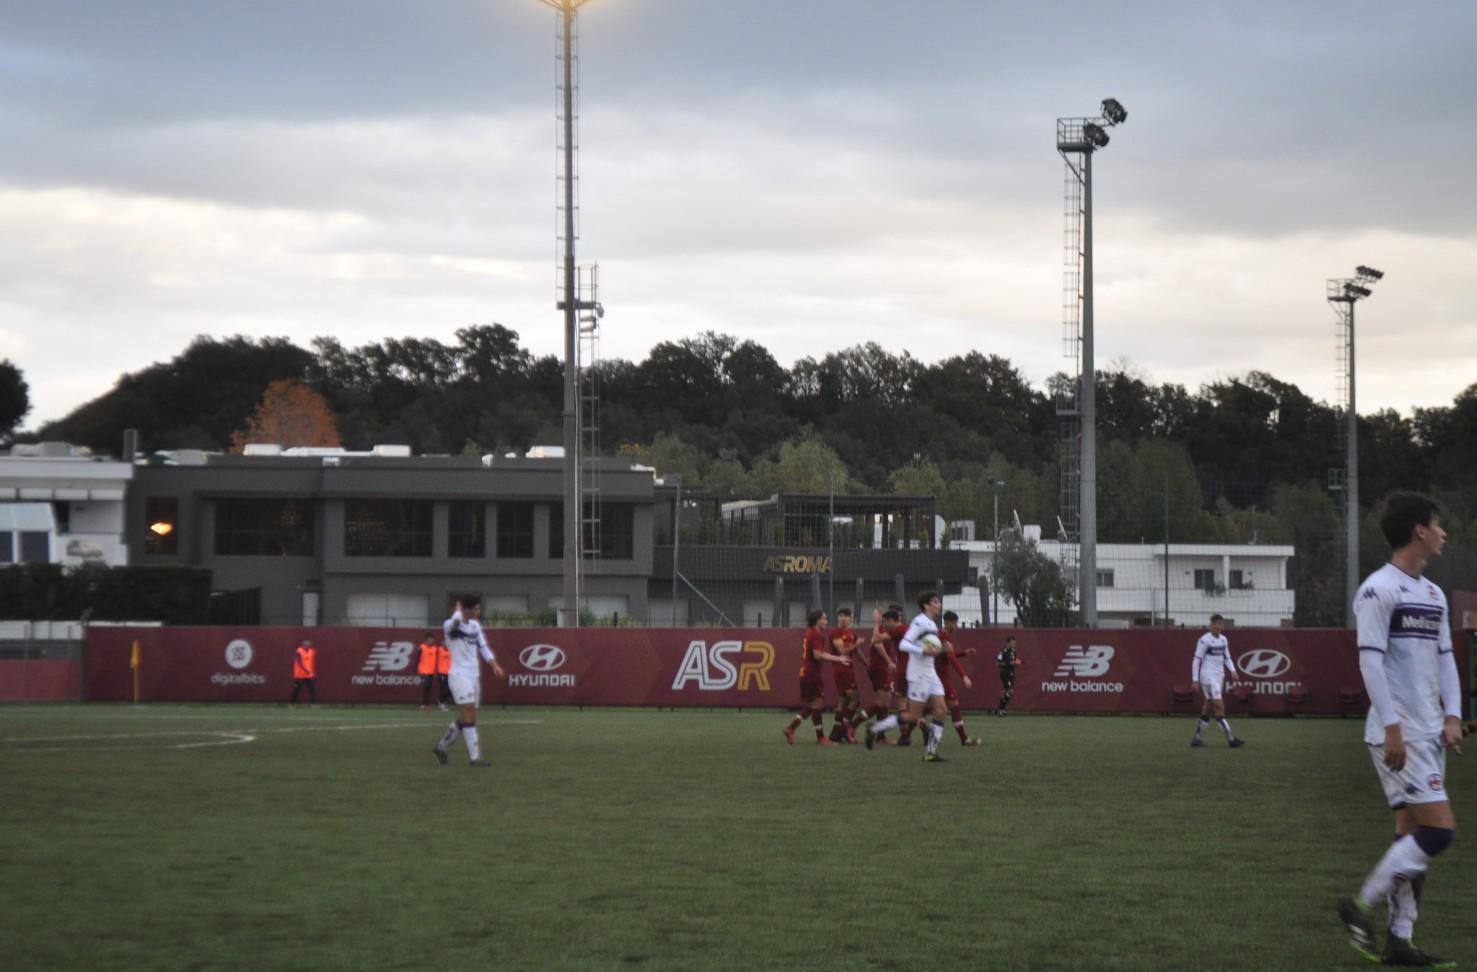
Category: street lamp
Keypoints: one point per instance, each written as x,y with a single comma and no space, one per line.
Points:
1076,140
1343,293
571,305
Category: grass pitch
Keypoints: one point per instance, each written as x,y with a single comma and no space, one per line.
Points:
262,838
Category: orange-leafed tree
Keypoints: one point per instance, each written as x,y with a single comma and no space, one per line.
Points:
289,414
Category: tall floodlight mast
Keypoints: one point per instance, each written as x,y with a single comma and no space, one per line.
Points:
571,305
1343,293
1076,402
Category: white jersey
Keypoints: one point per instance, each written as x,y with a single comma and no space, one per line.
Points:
466,641
920,666
1404,619
1212,660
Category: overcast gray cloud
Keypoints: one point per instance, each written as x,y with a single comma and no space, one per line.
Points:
807,174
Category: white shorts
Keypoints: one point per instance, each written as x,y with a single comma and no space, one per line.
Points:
1212,690
464,690
923,688
1423,780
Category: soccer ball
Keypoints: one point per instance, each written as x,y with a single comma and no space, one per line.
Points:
931,643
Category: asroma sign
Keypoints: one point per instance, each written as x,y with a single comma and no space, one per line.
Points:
797,564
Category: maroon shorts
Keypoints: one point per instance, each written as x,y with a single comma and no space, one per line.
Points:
900,680
812,688
949,697
845,679
878,677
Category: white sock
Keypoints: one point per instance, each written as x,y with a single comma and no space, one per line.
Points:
889,723
1226,728
474,751
1403,908
935,735
1404,859
452,732
1200,726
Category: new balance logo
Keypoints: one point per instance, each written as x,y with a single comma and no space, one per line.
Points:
389,656
1089,662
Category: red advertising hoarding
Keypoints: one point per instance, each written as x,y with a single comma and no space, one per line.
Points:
1285,670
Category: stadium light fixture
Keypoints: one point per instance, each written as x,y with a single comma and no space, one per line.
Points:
1095,135
1354,290
1114,111
1369,273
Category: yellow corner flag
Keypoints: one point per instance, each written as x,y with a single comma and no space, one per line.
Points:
133,659
133,663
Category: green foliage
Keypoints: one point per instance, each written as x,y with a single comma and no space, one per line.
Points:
15,398
1033,583
47,592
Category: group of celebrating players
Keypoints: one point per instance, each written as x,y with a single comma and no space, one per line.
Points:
903,692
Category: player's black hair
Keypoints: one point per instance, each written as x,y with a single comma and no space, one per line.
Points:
1216,617
469,600
1009,639
924,598
845,610
893,613
1404,512
813,617
895,609
950,616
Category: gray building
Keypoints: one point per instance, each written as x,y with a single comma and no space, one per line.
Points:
323,536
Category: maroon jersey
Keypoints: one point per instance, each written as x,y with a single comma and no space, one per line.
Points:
900,677
813,645
946,663
847,637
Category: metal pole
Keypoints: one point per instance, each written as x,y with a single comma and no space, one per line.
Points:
1351,491
1166,550
831,541
676,543
569,613
994,561
1087,560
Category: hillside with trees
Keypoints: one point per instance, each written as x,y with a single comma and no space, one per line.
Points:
1238,460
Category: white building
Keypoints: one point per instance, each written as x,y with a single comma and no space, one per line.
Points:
1247,583
60,504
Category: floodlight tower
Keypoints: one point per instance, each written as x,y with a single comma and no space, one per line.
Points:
1076,140
1343,294
569,302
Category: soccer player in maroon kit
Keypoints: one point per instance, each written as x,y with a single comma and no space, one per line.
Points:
880,669
842,640
947,660
895,627
812,689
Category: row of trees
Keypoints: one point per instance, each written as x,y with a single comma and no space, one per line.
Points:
1238,460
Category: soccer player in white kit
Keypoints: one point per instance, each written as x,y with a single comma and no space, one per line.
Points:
1212,662
1414,694
465,639
925,690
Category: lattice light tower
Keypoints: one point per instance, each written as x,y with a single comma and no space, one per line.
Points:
568,291
1343,294
1077,139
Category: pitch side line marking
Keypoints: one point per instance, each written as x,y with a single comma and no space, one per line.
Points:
20,741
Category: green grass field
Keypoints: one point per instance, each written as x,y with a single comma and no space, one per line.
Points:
261,838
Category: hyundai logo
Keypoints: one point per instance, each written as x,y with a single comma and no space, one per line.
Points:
541,658
1264,663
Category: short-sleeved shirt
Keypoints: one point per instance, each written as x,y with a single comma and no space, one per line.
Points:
847,636
812,645
919,664
1006,659
1404,619
465,639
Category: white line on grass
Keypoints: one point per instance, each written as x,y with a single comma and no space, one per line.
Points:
20,742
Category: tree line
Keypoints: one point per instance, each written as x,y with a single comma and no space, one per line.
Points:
1241,459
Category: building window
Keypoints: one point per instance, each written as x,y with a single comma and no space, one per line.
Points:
161,533
1240,581
61,511
387,528
1205,580
556,531
515,530
7,548
264,528
1105,578
35,547
466,529
617,532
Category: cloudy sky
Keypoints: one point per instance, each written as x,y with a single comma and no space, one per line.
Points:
810,174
